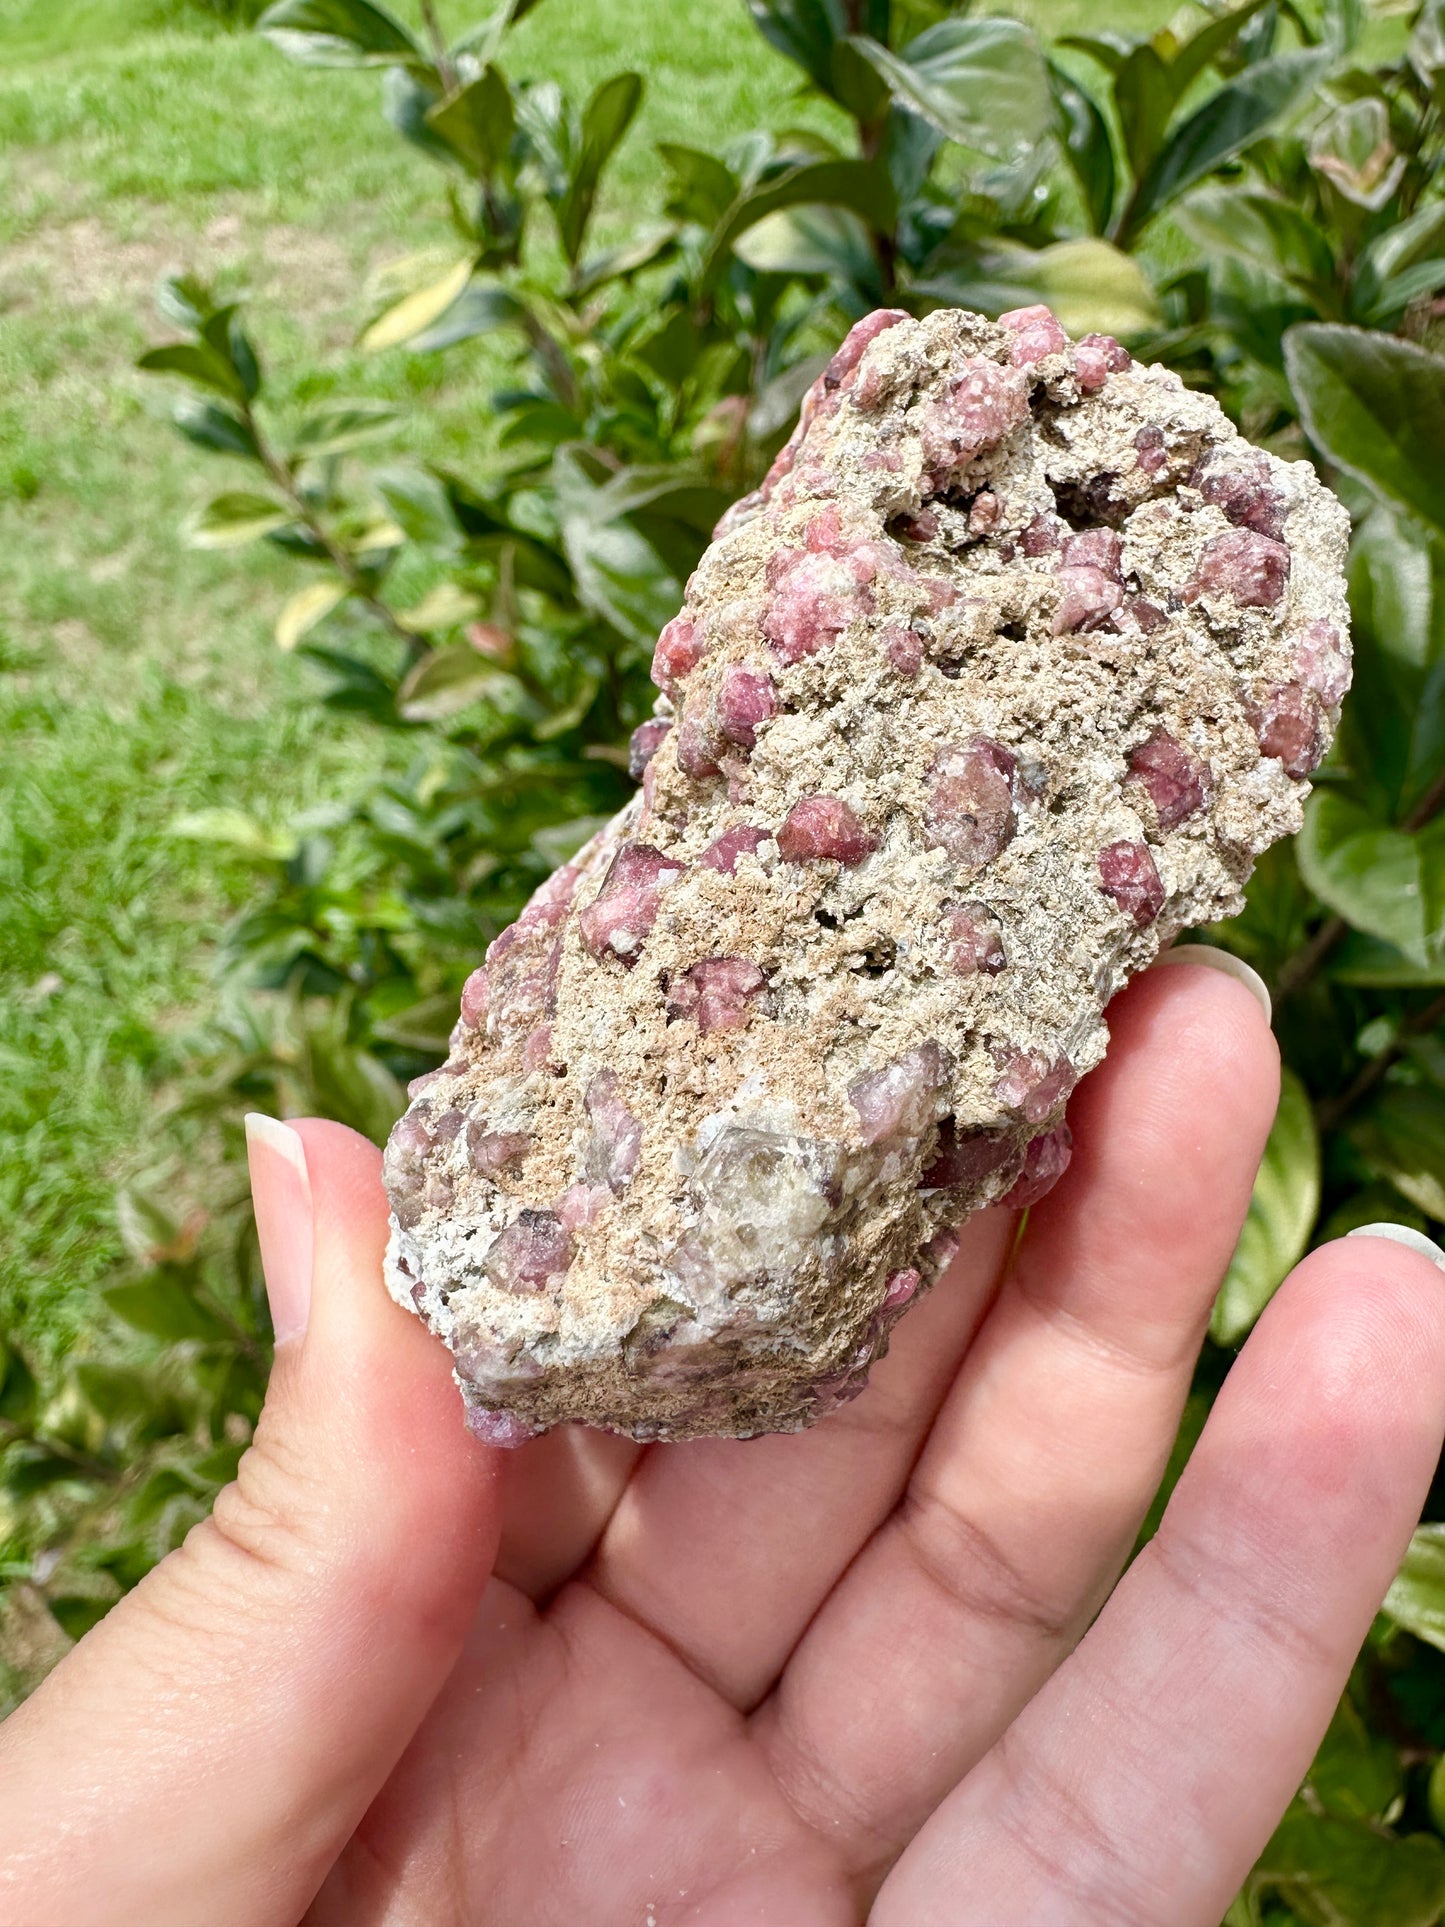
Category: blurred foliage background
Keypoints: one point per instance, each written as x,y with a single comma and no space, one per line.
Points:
469,330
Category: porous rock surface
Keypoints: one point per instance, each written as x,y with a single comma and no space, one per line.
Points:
1008,672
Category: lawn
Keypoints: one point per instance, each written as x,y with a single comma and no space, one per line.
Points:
137,678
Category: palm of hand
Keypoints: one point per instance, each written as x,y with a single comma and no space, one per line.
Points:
730,1682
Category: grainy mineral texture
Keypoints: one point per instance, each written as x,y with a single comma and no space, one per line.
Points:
1012,666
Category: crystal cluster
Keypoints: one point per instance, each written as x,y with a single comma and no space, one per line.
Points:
1008,671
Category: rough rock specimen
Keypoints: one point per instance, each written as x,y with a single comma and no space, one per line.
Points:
1013,665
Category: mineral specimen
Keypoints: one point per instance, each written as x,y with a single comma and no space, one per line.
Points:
1011,667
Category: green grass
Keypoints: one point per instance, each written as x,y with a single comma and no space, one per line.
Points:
138,679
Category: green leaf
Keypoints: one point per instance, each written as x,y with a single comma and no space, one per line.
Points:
1376,407
644,246
423,1026
186,300
478,122
421,506
240,831
1089,283
338,33
862,186
210,426
148,1230
223,334
1281,1216
805,30
1416,1600
618,573
1144,98
1370,964
480,309
1355,1773
345,424
31,1466
195,362
305,609
1390,883
117,1392
1402,1137
571,714
809,240
1087,145
980,82
605,119
1352,149
162,1307
231,520
702,187
419,309
443,607
1229,121
1204,48
449,681
1332,1871
1261,230
76,1613
1403,243
19,1393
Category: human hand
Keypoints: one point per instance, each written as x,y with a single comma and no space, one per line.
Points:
794,1682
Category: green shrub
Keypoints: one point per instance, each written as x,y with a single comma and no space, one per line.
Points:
1255,202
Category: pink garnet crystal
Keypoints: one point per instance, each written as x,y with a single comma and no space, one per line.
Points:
823,826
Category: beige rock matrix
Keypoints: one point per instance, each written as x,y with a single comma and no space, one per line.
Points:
1009,671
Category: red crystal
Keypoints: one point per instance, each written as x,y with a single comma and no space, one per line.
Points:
964,1157
646,742
1287,722
1252,568
723,852
679,650
1245,494
1177,783
903,649
533,1251
616,1138
1149,449
745,699
476,994
492,1151
1043,535
1096,357
618,919
983,406
1086,596
971,806
900,1287
716,993
857,339
1127,874
1320,662
815,598
1101,549
1045,1162
823,826
899,1102
1036,333
975,942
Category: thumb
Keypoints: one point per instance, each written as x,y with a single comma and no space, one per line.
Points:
209,1747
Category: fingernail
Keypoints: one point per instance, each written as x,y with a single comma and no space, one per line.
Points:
1228,964
1402,1234
281,1197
